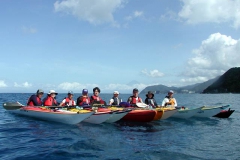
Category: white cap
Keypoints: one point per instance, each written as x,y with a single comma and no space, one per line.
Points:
171,91
115,92
52,91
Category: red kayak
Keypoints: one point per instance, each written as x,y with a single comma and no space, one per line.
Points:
140,116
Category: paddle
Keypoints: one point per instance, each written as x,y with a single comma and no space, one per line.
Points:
12,105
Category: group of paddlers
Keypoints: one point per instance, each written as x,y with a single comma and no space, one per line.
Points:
85,100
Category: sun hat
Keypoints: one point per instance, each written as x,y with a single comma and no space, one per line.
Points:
84,91
115,92
52,91
40,91
70,92
149,92
171,91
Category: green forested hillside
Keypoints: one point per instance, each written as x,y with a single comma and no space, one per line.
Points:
229,82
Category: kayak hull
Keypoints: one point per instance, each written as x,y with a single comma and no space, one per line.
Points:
98,117
117,116
65,117
168,113
186,113
210,111
159,114
140,116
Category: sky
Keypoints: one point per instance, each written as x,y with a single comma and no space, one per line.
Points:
115,44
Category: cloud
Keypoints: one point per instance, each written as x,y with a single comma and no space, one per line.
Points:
29,30
214,57
217,11
23,85
93,11
75,86
2,84
154,73
135,14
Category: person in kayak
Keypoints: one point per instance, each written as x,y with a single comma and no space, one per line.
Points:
116,100
35,99
169,101
150,99
134,99
83,100
95,98
50,100
68,101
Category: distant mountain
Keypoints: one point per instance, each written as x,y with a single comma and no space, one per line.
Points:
133,82
229,82
195,88
158,89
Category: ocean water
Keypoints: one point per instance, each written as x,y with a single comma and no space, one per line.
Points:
195,138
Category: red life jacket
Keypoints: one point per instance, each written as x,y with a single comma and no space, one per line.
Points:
50,101
84,100
30,102
96,99
67,100
135,100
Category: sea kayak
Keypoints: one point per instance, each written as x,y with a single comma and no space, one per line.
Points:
210,111
140,115
168,112
186,113
48,114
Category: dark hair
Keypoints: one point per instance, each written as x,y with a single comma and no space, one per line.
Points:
135,89
96,88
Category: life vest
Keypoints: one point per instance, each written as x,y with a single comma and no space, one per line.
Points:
31,103
171,101
116,100
50,101
135,100
95,99
83,100
67,100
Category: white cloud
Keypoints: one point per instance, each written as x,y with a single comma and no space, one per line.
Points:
75,86
24,85
215,56
2,84
216,11
93,11
135,14
123,88
154,73
29,30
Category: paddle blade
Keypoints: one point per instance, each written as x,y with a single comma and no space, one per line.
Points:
12,105
141,105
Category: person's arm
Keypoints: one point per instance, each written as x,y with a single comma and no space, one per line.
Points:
165,100
111,101
35,101
129,100
155,103
175,105
63,102
146,100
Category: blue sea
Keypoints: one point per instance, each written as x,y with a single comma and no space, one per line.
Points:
195,138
